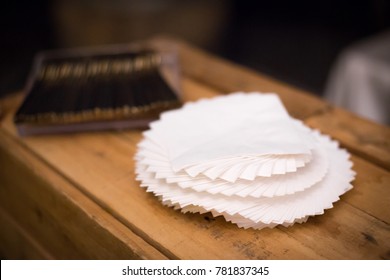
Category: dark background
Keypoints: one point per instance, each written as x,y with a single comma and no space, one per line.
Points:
294,41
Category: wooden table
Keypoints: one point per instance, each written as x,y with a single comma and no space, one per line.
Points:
75,196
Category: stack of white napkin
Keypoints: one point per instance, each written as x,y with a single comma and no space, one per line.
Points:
243,157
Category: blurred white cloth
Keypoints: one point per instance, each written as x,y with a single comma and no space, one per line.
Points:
360,80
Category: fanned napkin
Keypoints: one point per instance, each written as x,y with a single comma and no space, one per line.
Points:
243,157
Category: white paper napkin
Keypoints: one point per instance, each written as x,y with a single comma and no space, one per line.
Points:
241,156
235,125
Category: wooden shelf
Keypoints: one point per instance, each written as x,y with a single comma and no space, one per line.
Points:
75,196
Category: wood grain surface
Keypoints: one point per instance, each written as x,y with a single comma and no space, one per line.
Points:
77,197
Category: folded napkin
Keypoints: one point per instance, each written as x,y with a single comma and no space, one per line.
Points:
243,157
